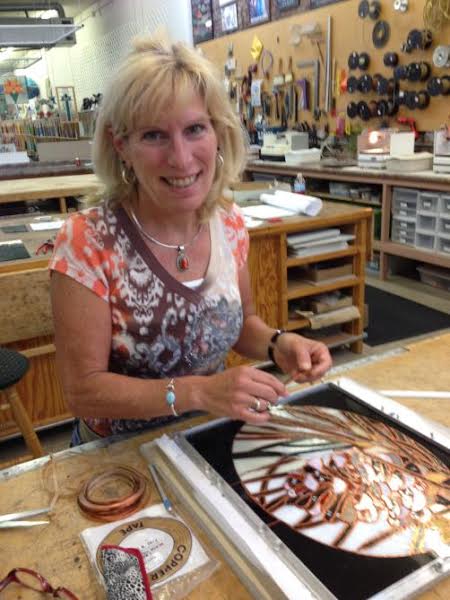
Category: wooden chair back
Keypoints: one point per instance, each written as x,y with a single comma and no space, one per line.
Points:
26,325
25,309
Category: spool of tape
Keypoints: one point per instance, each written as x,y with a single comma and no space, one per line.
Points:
441,56
401,5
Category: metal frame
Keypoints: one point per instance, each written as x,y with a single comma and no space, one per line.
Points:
237,521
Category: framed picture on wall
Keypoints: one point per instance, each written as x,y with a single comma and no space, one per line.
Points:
202,21
258,11
67,104
229,17
286,4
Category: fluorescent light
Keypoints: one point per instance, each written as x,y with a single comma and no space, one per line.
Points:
49,14
6,53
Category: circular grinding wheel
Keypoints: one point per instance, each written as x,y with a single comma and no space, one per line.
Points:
363,9
353,60
352,110
380,34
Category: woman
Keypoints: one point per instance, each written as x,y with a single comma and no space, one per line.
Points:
150,289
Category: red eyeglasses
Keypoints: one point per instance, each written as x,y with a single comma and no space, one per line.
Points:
35,581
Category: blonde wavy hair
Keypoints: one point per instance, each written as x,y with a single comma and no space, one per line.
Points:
152,75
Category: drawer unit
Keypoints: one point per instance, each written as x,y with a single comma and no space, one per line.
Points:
404,202
428,202
403,231
404,224
425,241
443,244
444,224
445,204
426,223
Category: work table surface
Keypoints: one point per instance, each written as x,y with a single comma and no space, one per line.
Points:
56,550
48,187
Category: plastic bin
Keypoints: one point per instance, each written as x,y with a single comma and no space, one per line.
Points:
445,204
438,278
405,224
403,231
339,189
428,202
443,244
426,223
444,225
404,202
425,241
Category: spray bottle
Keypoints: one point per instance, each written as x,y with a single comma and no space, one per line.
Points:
299,184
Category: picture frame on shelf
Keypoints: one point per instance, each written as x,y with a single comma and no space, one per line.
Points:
202,21
229,17
67,103
258,11
286,4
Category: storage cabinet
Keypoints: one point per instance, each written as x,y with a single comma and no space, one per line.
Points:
414,211
277,281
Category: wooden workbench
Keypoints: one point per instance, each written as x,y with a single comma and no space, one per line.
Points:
56,550
61,187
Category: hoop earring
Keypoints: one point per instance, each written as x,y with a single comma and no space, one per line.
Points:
127,174
219,160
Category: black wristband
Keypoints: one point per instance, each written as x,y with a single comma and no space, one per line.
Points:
273,341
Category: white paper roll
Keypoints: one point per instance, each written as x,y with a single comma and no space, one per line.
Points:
297,203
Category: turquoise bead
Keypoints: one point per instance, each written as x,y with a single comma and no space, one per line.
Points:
170,398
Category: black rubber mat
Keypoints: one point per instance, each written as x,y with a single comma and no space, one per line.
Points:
393,318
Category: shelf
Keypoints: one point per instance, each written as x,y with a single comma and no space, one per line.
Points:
328,196
429,256
304,260
297,289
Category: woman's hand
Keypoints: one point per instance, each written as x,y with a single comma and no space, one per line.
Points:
241,393
303,359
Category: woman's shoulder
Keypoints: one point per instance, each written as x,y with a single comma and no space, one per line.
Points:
232,217
96,217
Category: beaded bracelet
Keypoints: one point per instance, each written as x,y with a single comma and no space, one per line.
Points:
273,341
170,397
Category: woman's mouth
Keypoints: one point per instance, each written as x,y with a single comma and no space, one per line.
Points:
181,182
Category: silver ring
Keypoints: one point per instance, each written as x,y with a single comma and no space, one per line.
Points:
260,405
257,405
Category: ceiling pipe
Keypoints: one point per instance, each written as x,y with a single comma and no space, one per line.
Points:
28,6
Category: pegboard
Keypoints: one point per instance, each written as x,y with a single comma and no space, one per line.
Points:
349,33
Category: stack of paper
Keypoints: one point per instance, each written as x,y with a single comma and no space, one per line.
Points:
317,242
283,204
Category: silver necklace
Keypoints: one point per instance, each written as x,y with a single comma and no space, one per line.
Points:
182,260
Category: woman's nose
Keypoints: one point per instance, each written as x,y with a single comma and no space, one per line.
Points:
179,152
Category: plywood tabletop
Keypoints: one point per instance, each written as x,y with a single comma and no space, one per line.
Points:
14,190
56,550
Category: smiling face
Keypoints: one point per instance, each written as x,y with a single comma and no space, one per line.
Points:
173,158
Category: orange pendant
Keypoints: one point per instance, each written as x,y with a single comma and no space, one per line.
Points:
182,259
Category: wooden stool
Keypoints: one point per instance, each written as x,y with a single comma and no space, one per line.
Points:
13,367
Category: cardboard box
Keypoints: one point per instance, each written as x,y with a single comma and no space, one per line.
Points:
321,306
321,272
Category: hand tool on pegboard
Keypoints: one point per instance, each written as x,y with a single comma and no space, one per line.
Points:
315,64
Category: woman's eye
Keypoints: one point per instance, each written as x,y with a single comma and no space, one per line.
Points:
153,136
196,129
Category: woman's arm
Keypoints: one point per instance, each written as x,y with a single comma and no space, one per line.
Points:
83,343
301,358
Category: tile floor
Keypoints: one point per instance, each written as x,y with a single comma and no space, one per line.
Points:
57,438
